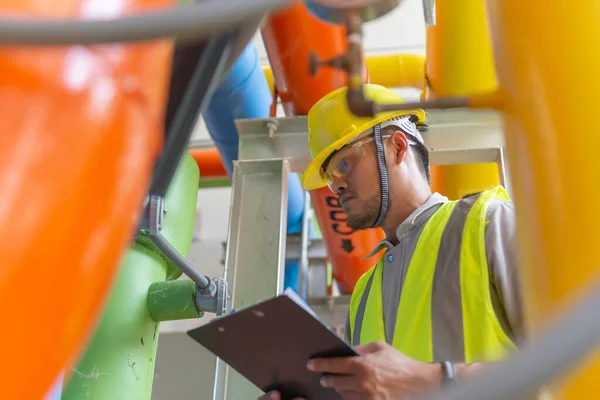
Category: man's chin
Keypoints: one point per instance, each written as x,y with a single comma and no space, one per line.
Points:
357,223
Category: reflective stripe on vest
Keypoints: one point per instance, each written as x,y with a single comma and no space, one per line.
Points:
445,310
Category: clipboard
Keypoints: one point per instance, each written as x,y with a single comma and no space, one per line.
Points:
270,344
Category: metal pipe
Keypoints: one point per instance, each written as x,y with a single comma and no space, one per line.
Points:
192,22
443,103
183,264
357,103
246,33
206,75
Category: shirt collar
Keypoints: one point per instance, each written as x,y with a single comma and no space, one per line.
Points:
416,218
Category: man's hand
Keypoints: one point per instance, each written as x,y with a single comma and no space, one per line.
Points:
380,372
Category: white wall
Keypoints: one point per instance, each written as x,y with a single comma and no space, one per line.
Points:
184,369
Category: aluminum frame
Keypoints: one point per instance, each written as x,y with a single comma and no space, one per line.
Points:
269,149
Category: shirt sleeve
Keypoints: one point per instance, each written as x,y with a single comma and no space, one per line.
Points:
501,250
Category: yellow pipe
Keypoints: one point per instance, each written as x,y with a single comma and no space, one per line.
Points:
459,62
397,70
390,70
549,76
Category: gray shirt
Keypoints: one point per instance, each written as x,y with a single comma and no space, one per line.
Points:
500,243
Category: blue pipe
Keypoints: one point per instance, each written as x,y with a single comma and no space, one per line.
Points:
245,93
55,392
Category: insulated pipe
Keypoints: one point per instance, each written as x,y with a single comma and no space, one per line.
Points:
552,138
173,300
83,128
390,70
121,355
290,35
397,70
244,93
460,62
209,162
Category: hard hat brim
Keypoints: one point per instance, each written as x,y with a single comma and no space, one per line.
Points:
312,178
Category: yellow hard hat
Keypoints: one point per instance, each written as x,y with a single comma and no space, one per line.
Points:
331,126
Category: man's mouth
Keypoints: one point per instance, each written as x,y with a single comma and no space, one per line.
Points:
345,199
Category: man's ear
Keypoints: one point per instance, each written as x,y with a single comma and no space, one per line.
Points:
400,146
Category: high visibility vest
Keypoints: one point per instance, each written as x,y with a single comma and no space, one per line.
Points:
483,339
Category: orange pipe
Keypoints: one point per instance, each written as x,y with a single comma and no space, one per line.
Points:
289,36
209,162
82,129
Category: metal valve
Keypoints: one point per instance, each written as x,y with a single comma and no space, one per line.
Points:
339,62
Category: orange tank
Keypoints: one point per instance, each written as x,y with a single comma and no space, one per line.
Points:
82,127
290,35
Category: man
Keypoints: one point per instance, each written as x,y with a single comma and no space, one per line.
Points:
443,301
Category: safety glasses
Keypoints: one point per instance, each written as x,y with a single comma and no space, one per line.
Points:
341,163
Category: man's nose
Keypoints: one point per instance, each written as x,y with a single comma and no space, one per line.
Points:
338,185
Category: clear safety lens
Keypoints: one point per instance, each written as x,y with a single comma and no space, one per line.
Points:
341,163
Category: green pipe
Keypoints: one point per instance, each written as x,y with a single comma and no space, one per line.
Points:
169,301
119,361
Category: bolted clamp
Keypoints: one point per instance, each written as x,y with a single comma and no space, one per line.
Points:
213,298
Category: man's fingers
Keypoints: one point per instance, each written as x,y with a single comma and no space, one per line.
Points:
340,382
372,347
341,365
